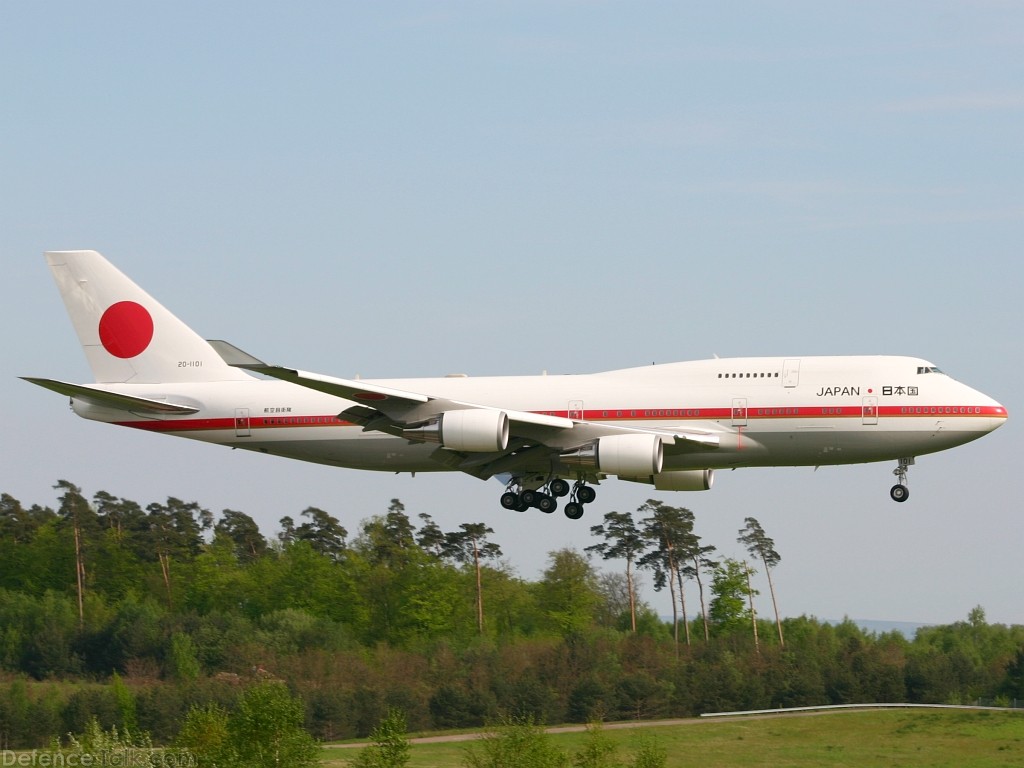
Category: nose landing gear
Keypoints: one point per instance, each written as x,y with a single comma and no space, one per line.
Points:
900,492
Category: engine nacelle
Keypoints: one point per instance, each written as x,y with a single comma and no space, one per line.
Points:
678,480
623,455
475,430
685,480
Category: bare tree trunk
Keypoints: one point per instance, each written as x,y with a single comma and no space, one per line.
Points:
675,607
778,621
632,594
165,569
703,607
682,604
479,590
79,573
753,613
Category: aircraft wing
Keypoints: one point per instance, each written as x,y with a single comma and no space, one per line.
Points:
107,399
533,439
402,406
675,440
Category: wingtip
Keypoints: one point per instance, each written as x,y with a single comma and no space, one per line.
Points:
234,356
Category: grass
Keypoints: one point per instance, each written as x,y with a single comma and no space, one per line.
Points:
859,739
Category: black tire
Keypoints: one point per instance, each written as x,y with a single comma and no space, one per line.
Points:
586,494
559,487
509,500
546,504
573,510
529,498
899,493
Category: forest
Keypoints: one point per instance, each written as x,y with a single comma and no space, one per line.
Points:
122,615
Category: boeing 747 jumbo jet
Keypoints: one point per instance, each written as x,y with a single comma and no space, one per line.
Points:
545,437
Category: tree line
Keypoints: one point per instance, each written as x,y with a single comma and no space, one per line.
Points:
134,615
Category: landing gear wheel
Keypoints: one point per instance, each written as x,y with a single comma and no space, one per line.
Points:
509,500
899,493
559,487
529,498
573,510
546,504
522,506
585,494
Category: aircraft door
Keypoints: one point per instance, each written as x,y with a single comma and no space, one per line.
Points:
739,411
791,373
576,410
869,411
242,422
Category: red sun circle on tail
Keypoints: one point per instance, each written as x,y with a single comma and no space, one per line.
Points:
126,329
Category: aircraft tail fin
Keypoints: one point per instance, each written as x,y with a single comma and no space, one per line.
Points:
126,334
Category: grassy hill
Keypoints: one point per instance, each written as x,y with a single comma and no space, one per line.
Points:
859,739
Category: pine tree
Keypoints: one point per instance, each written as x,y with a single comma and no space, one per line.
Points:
762,547
667,528
470,544
622,541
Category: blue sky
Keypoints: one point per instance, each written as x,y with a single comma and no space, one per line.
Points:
413,189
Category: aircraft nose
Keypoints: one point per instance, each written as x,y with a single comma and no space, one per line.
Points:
1000,415
996,413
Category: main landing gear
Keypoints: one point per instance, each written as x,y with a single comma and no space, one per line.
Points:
545,498
900,492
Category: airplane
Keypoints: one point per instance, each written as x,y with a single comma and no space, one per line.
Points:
544,437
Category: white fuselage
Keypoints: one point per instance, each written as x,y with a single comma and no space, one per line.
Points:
764,411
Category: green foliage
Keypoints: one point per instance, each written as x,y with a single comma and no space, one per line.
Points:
206,735
182,663
598,751
515,744
265,729
243,533
95,740
729,609
758,543
125,703
171,620
649,754
322,531
568,594
96,746
390,748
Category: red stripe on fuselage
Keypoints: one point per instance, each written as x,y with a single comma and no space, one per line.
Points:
610,415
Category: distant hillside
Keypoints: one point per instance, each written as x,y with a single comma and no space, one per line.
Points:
907,628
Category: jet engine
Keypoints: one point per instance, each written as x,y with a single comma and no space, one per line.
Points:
678,480
623,455
685,480
477,430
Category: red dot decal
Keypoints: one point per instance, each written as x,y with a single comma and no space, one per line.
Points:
369,396
126,329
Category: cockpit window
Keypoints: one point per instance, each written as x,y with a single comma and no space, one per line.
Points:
927,369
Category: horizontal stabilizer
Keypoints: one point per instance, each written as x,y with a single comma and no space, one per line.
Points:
107,399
